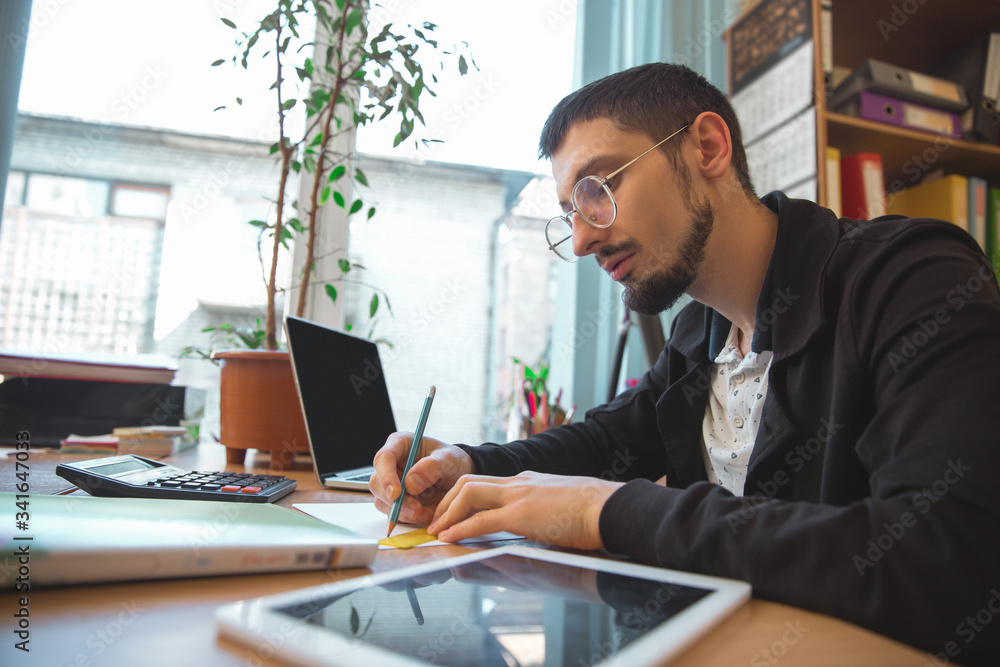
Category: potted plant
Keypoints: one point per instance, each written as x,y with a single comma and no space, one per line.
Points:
346,79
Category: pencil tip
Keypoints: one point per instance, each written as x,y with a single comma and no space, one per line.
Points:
392,527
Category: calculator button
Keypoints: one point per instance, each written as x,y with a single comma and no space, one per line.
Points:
170,484
211,487
191,485
251,489
230,488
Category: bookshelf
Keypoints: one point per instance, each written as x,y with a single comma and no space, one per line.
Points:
909,33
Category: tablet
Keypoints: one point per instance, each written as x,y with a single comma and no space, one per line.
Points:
514,605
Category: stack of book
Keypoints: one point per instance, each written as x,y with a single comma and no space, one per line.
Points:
152,441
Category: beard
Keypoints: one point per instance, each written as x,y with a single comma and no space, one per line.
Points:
664,286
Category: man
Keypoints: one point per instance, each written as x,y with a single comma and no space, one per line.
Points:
822,413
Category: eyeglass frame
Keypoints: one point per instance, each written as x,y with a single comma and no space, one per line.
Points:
603,182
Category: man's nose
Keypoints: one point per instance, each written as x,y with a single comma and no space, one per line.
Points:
586,238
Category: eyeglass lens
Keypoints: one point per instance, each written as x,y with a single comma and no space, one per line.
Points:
594,202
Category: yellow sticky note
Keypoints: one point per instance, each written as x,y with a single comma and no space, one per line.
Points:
408,540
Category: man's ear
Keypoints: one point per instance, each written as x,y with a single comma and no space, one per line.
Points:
713,143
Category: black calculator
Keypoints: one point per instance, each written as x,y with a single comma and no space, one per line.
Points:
132,476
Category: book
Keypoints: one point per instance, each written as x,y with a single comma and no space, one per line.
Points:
86,539
945,198
977,210
115,368
88,444
833,196
993,228
862,186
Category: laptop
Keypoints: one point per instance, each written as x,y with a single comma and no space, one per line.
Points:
344,398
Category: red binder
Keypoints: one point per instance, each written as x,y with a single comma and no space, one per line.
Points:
862,186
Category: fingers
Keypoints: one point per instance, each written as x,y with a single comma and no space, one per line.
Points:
385,483
469,509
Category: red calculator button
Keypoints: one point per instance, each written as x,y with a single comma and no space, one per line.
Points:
251,489
230,488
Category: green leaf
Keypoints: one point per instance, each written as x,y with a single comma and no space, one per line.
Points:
218,62
274,148
361,178
288,104
331,292
463,67
239,100
318,139
337,172
344,265
371,212
229,23
356,206
325,195
373,307
339,199
217,108
259,223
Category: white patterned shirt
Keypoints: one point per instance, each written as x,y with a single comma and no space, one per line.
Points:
732,418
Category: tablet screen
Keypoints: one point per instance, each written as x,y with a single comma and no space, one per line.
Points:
502,610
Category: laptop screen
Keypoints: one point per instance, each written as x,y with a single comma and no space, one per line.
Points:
343,394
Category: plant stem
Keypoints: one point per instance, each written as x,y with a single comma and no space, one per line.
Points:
318,176
270,326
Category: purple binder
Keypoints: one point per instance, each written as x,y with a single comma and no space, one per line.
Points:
904,114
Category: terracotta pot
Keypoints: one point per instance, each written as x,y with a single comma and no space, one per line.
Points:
259,407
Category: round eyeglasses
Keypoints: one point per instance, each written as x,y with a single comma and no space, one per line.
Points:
594,203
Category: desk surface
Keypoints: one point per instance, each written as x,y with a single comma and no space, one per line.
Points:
171,623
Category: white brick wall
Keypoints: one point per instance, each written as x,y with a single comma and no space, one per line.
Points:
429,247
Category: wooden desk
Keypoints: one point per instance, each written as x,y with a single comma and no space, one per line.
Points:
171,623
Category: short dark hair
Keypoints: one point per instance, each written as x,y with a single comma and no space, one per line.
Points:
656,99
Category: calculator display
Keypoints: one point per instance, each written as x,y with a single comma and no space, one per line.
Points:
120,467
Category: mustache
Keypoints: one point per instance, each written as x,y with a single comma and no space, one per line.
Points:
606,252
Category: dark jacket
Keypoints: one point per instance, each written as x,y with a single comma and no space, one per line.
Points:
872,491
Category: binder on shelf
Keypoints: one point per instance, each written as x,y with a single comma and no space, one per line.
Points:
884,109
976,66
945,198
862,186
977,210
833,197
875,76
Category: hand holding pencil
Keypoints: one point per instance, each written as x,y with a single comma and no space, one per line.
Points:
436,468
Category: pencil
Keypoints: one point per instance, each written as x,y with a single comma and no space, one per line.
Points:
414,448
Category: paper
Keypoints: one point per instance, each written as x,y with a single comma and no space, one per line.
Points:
365,520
